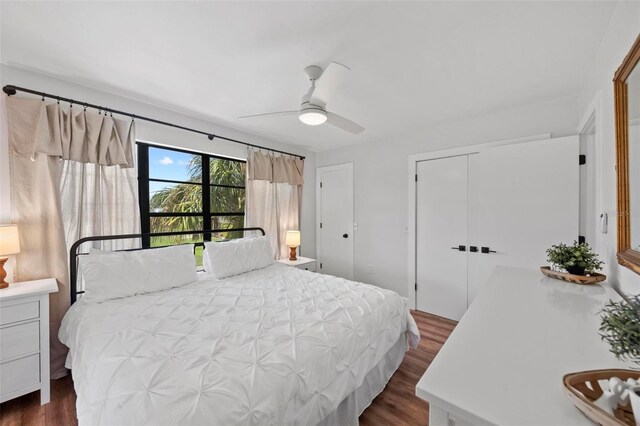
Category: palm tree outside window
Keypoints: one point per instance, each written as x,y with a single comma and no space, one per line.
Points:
183,190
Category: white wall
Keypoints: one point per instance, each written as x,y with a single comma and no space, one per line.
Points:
380,167
619,37
158,134
381,176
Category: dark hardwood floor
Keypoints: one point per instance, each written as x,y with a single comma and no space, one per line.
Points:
26,410
396,405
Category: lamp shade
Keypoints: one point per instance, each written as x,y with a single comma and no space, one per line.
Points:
9,240
293,238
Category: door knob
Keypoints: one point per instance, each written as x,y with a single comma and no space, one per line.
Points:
460,248
345,235
486,250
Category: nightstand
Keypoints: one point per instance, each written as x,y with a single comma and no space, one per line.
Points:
304,263
24,339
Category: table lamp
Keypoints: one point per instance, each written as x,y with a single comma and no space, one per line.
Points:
293,241
9,244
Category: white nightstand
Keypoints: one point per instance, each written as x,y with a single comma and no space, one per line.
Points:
24,339
304,263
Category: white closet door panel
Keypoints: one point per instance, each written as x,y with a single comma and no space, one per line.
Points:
529,200
441,223
473,223
336,215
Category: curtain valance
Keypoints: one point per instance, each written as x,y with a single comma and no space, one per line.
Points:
276,169
72,134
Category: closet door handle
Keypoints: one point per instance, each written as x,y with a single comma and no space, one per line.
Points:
473,249
459,248
486,250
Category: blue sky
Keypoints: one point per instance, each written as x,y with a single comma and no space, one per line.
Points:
167,164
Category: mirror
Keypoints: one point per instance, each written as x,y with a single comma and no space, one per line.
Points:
633,99
627,108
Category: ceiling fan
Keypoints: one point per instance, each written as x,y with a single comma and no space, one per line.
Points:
313,109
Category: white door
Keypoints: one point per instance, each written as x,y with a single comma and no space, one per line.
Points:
335,220
528,200
441,232
588,222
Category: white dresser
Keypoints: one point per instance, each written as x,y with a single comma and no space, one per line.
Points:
305,263
504,362
24,339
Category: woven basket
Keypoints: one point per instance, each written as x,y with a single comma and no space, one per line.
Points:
583,389
594,278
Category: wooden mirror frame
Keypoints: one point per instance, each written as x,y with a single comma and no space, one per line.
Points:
626,255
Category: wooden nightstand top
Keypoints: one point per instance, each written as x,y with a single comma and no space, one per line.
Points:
301,261
29,288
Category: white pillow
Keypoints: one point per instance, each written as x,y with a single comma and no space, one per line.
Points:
112,275
228,258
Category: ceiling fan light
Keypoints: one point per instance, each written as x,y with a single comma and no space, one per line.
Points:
313,118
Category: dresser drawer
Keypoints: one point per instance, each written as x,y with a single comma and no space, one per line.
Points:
19,312
22,339
308,267
19,374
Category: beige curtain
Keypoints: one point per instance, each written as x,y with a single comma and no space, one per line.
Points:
273,196
50,181
99,200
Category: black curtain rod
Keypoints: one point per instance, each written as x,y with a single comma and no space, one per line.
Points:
12,90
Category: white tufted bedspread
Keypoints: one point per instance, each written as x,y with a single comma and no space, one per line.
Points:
273,346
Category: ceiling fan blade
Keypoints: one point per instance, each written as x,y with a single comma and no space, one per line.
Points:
344,123
329,83
296,112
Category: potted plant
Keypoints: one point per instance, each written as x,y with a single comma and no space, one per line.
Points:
577,259
620,328
612,396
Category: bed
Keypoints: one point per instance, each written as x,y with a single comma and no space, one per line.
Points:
276,345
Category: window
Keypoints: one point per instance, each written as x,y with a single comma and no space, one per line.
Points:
184,191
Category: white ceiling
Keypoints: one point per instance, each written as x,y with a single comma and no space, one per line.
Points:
413,63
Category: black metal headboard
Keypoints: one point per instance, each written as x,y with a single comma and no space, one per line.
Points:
73,253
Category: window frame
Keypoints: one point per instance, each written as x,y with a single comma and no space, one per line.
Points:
144,181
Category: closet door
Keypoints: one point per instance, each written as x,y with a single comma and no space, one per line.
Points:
335,217
441,227
528,200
